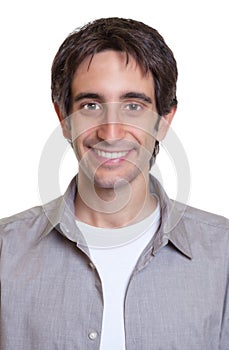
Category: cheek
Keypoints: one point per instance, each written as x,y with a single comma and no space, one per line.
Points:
82,125
78,146
144,138
76,150
83,141
149,146
151,141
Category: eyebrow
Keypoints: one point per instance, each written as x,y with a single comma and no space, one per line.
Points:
137,95
84,95
132,94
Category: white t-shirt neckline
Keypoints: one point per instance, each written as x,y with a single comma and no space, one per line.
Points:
99,237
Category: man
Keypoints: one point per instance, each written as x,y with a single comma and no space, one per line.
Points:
114,264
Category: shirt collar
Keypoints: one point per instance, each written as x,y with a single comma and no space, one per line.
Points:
172,226
61,215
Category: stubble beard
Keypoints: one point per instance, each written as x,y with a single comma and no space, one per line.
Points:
111,181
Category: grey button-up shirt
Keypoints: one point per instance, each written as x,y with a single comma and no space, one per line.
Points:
51,295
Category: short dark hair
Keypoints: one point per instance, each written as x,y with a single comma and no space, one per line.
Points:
136,39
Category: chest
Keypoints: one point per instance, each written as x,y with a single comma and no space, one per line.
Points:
170,303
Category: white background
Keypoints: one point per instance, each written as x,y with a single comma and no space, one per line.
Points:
30,34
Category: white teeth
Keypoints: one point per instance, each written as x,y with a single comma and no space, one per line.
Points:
110,155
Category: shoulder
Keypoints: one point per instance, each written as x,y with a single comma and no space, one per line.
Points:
204,229
202,236
206,219
22,226
27,214
30,221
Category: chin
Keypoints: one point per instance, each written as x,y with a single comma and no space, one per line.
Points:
115,182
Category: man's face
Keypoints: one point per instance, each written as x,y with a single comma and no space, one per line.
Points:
113,115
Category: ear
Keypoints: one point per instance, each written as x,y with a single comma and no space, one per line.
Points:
165,123
63,121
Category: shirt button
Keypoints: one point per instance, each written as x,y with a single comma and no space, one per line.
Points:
93,335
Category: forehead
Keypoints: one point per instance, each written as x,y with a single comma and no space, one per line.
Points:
122,59
110,69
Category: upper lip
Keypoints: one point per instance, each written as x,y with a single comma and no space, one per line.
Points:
112,150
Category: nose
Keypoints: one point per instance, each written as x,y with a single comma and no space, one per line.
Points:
111,131
112,128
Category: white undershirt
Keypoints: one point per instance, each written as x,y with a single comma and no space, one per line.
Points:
115,265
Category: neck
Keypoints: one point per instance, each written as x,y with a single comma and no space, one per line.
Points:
127,204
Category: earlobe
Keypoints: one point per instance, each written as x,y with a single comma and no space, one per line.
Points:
165,123
63,121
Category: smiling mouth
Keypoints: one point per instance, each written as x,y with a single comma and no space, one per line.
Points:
110,155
